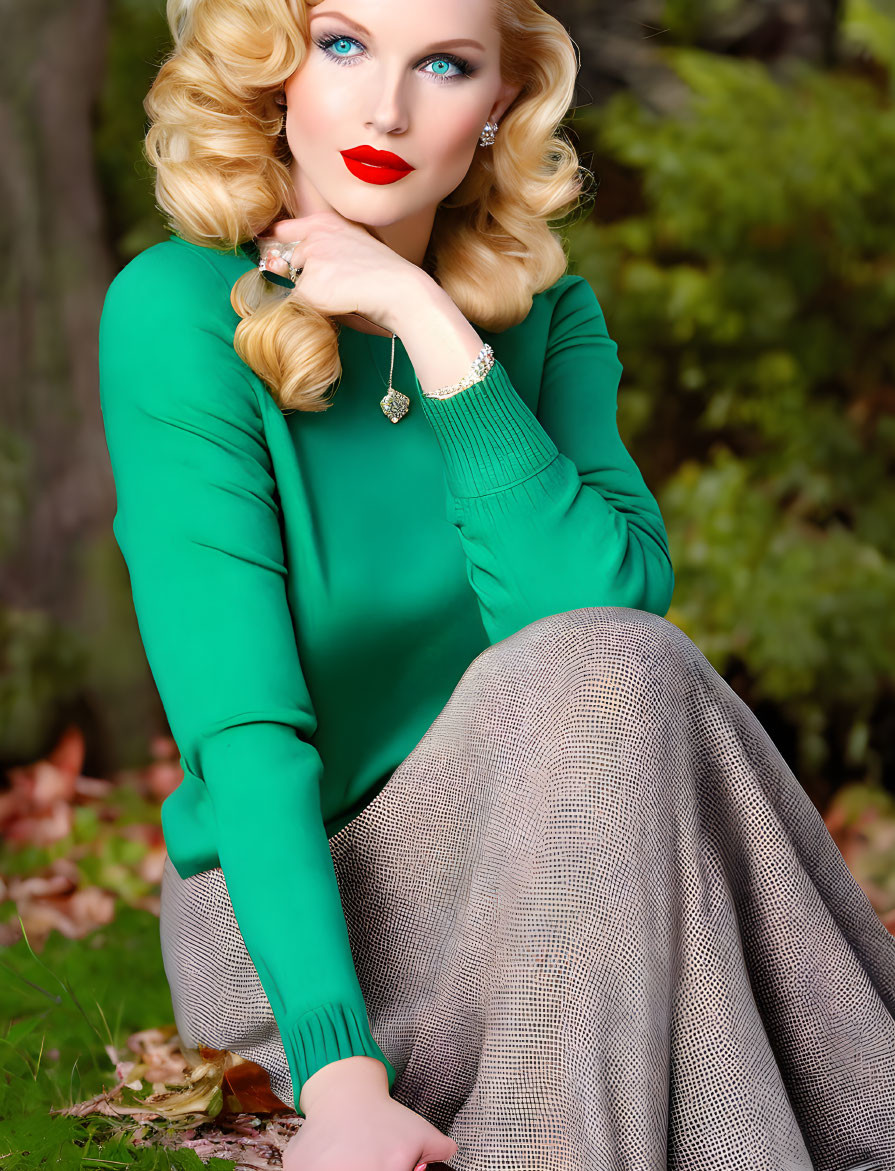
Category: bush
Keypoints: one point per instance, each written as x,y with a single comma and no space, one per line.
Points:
750,283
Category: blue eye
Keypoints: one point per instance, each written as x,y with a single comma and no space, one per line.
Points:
330,43
445,61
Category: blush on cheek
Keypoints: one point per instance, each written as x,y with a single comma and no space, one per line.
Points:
455,150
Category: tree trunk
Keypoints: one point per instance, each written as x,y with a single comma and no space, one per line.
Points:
57,267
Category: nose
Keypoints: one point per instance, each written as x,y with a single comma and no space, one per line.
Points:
389,103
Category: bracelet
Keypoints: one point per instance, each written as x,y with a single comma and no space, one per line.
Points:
480,367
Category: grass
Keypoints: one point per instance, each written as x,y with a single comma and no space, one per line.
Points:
59,1010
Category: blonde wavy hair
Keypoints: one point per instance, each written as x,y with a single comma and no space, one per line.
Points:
217,141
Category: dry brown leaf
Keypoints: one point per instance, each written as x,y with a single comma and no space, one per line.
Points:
38,809
50,824
152,864
162,778
206,1099
71,912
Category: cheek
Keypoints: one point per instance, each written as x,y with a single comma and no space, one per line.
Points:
455,138
314,107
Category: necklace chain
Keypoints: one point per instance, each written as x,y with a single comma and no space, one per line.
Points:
394,404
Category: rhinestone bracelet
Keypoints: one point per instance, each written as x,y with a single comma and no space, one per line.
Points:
480,367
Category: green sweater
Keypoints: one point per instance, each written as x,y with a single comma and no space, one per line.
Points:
310,587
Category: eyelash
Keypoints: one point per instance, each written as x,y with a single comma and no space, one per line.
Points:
330,39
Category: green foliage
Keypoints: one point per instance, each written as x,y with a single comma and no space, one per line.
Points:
751,288
870,25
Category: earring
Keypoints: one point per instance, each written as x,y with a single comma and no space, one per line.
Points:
280,99
486,138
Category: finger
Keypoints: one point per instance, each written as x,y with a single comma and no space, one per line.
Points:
291,252
292,229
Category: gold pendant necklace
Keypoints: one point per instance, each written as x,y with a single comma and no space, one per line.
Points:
394,404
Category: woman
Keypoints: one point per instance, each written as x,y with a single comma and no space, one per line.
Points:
474,848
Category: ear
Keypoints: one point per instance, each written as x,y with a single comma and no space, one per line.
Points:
505,98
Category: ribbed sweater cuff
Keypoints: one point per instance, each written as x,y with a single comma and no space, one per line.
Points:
329,1033
488,436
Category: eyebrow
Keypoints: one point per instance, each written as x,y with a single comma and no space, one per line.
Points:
366,32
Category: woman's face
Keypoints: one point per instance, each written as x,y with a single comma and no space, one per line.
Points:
419,80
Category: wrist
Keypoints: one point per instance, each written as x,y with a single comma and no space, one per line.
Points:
349,1076
439,341
408,293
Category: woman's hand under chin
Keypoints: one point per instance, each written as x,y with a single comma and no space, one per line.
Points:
345,268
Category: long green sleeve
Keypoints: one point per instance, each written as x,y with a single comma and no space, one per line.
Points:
552,511
198,523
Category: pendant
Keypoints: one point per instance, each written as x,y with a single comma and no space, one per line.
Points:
395,405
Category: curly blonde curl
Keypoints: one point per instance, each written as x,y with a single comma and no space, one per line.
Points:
216,140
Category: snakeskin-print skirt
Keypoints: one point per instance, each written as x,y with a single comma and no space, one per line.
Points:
598,925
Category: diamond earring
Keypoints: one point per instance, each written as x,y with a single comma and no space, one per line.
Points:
486,138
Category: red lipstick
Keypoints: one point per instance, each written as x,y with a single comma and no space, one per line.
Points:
375,166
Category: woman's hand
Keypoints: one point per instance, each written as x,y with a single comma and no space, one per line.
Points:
345,269
366,1132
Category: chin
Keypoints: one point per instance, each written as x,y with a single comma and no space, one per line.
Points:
363,210
362,213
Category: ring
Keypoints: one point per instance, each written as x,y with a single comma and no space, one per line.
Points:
270,248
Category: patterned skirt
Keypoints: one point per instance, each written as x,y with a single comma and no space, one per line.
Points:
598,924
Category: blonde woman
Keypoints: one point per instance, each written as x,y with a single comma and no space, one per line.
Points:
475,853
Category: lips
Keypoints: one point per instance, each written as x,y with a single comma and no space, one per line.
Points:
377,158
375,166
